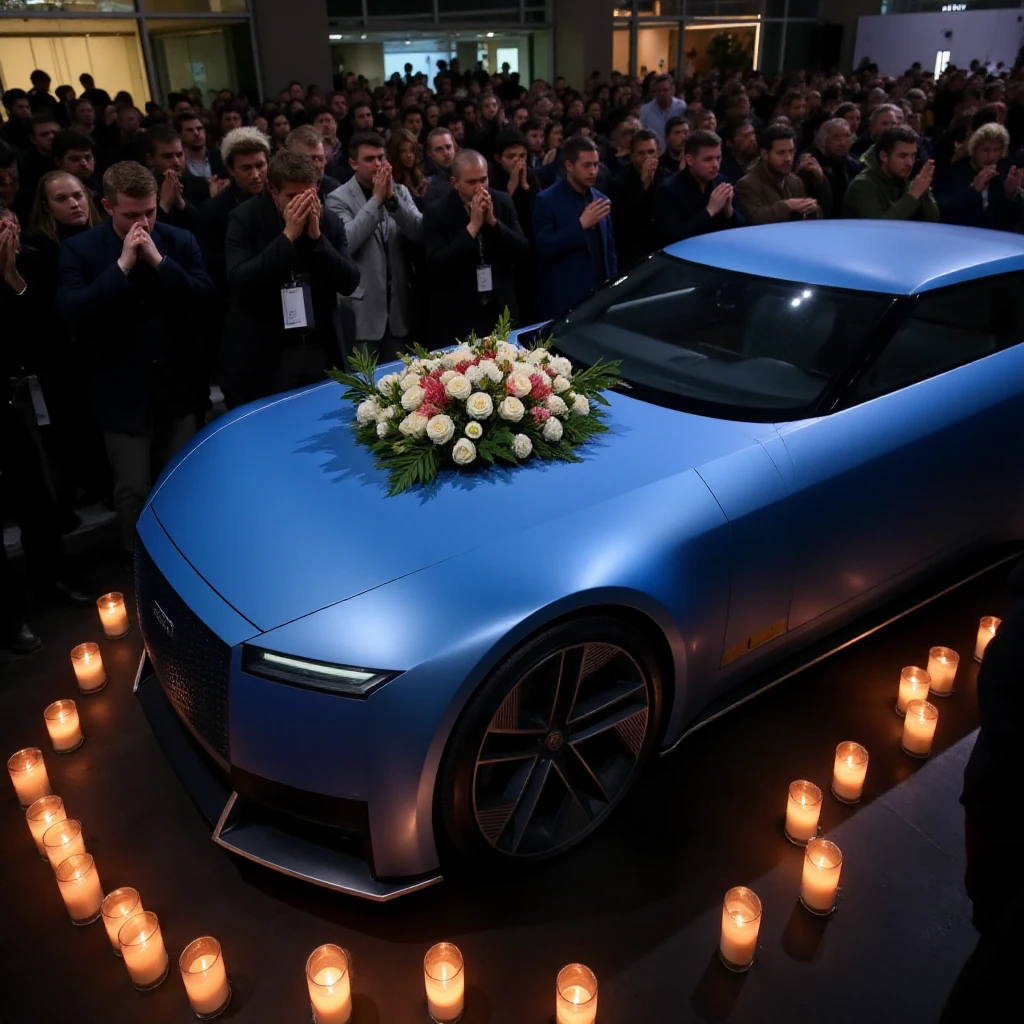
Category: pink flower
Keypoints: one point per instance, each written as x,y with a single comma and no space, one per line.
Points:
541,389
428,410
539,414
434,392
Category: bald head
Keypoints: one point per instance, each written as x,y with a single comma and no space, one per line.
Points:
469,173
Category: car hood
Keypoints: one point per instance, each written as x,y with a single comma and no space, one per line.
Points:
283,513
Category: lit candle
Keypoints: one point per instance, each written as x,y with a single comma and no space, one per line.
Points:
445,978
63,725
848,774
741,920
914,685
62,840
79,884
117,907
822,864
802,810
142,947
41,814
919,728
986,630
575,995
330,985
205,978
88,665
942,666
113,615
28,773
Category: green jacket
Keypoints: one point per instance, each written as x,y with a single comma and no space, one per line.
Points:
875,195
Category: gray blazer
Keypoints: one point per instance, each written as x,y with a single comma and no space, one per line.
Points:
367,226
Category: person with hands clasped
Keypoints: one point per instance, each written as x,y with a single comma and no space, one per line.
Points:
573,234
128,290
981,191
283,278
383,226
180,193
884,189
632,191
699,198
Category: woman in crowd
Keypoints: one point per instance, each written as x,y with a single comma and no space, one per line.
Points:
850,112
553,134
406,166
280,126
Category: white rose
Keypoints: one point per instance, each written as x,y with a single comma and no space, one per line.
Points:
386,414
440,429
493,373
411,380
480,405
462,355
561,366
459,387
560,384
537,356
581,406
474,374
519,385
521,446
552,429
464,452
413,398
367,412
382,428
511,409
386,383
413,425
571,397
447,376
474,430
506,353
557,406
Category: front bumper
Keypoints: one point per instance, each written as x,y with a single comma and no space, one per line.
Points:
217,732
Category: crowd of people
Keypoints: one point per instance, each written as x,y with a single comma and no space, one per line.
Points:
145,254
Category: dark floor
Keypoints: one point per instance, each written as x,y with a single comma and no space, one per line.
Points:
640,903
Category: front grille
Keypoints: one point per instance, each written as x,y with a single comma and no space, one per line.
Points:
191,662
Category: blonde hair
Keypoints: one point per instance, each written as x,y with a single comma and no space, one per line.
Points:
42,216
991,132
242,142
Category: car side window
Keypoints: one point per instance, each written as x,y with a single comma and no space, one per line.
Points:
944,330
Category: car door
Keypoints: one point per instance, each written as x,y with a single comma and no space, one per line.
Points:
920,462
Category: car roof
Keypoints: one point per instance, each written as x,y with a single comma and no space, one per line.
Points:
894,257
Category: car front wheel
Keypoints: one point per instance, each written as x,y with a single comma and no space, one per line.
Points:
551,742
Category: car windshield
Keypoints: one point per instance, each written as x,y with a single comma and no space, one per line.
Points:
687,333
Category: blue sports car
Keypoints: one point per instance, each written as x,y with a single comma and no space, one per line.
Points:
812,418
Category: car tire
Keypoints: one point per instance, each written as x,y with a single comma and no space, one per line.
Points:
550,744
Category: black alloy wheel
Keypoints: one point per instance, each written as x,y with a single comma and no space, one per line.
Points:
551,743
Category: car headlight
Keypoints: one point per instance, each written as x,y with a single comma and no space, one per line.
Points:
345,680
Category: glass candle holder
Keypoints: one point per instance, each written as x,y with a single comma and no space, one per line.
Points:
741,921
79,884
62,840
942,665
87,662
802,810
444,976
64,726
329,979
118,906
919,728
849,772
823,862
575,995
987,629
28,774
914,685
41,814
142,947
113,615
205,978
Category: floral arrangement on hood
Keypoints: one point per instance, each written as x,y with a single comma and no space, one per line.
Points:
485,402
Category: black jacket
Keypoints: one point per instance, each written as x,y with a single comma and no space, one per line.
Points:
214,229
526,270
961,203
260,260
680,208
137,329
453,255
838,174
633,214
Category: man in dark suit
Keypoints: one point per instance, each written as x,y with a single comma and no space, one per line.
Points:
284,276
128,289
699,198
180,194
572,231
632,196
201,161
474,243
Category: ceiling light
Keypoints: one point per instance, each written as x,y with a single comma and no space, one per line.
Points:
334,38
363,36
490,35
